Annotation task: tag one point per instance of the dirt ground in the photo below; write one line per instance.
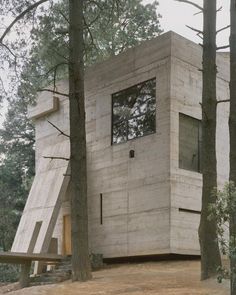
(165, 278)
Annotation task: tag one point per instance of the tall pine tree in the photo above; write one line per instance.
(232, 132)
(77, 29)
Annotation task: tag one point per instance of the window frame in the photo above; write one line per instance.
(132, 117)
(199, 145)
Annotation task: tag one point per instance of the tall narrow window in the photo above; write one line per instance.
(189, 143)
(101, 209)
(134, 112)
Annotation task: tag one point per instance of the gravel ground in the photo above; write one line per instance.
(165, 278)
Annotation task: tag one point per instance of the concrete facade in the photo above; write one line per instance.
(150, 206)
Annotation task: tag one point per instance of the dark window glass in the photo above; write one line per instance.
(189, 143)
(134, 112)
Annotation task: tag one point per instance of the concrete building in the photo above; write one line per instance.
(144, 192)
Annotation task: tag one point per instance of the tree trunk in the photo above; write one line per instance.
(24, 280)
(81, 269)
(210, 255)
(232, 132)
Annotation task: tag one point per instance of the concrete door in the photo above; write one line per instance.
(67, 234)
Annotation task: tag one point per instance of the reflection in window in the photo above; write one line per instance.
(190, 143)
(134, 112)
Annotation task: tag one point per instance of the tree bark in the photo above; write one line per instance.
(81, 269)
(232, 132)
(210, 255)
(24, 280)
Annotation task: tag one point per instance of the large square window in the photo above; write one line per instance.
(134, 112)
(190, 138)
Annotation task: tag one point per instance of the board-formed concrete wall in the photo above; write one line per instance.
(136, 192)
(141, 195)
(186, 92)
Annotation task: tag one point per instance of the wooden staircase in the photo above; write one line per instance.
(62, 271)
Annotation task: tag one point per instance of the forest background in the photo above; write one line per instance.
(41, 40)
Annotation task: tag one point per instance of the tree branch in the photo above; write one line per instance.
(62, 32)
(53, 91)
(56, 158)
(9, 49)
(64, 16)
(20, 16)
(195, 30)
(191, 3)
(199, 35)
(224, 28)
(94, 20)
(224, 100)
(90, 33)
(60, 55)
(222, 47)
(199, 12)
(52, 69)
(61, 132)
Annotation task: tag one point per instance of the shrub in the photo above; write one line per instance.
(9, 273)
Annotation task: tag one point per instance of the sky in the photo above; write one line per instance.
(175, 17)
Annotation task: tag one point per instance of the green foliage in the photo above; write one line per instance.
(111, 27)
(9, 273)
(16, 168)
(14, 190)
(222, 211)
